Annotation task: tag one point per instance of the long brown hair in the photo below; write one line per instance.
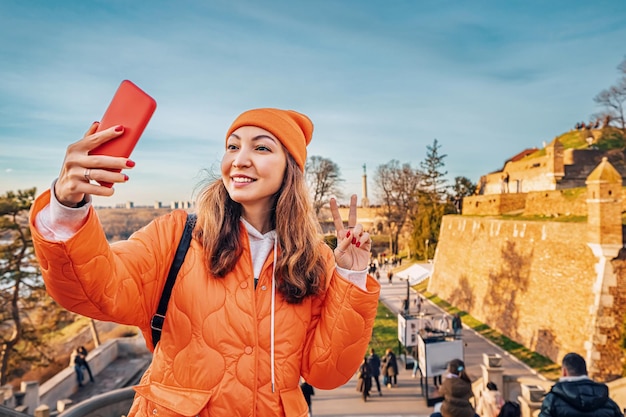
(457, 367)
(300, 267)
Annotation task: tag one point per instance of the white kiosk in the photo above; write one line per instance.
(434, 351)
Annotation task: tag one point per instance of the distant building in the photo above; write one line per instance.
(181, 205)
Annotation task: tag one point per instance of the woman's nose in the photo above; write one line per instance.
(242, 159)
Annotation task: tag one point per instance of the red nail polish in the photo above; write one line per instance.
(358, 244)
(353, 240)
(119, 128)
(125, 177)
(348, 234)
(130, 163)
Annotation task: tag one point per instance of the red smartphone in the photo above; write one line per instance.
(132, 108)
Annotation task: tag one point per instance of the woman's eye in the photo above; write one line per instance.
(263, 148)
(231, 146)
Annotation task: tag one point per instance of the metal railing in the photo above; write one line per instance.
(114, 403)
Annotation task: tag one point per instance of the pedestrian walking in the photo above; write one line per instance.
(374, 363)
(364, 380)
(415, 353)
(390, 369)
(575, 394)
(457, 325)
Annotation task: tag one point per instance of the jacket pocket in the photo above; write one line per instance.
(162, 401)
(293, 402)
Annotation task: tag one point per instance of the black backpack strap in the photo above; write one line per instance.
(156, 324)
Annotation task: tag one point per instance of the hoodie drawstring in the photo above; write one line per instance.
(272, 313)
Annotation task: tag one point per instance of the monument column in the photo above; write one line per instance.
(365, 202)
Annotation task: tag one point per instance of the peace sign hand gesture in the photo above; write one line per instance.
(353, 244)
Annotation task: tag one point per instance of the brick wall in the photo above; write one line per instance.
(532, 281)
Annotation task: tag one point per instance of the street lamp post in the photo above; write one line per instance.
(408, 296)
(407, 300)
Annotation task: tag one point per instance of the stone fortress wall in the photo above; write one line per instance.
(532, 281)
(552, 286)
(567, 202)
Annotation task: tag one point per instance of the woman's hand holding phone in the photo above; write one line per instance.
(79, 167)
(104, 150)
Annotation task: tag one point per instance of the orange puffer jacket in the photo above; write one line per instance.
(214, 357)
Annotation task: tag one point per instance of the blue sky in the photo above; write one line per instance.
(380, 80)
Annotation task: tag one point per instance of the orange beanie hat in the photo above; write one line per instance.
(294, 130)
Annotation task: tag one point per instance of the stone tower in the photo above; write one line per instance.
(604, 237)
(555, 165)
(604, 194)
(365, 202)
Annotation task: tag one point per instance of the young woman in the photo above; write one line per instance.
(456, 390)
(390, 368)
(259, 301)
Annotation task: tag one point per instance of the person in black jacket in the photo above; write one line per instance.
(374, 363)
(308, 391)
(82, 358)
(364, 383)
(576, 395)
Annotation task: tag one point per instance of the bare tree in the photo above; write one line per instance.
(25, 311)
(397, 187)
(323, 177)
(613, 100)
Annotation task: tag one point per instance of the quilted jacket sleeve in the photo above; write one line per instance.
(120, 282)
(340, 330)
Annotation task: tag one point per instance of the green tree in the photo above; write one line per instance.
(433, 202)
(461, 188)
(434, 181)
(26, 313)
(425, 233)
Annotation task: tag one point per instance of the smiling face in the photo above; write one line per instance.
(253, 167)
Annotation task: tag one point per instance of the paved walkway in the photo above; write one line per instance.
(405, 400)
